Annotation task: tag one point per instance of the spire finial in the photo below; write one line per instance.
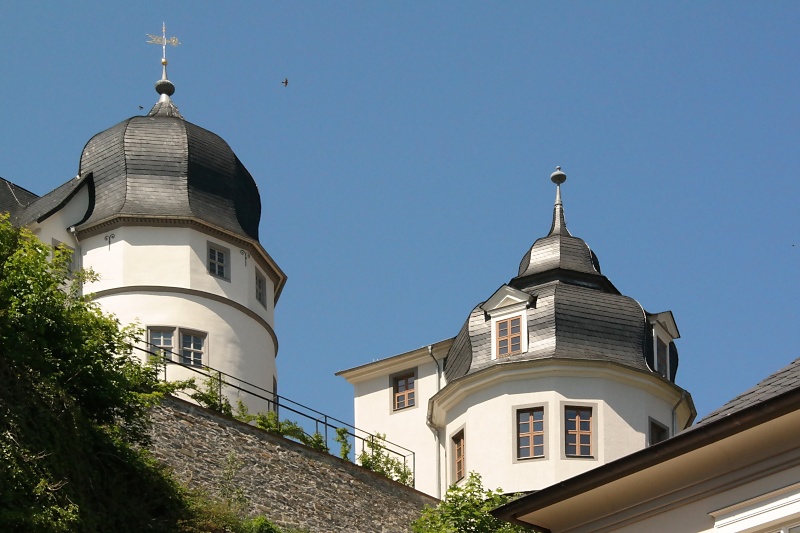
(164, 87)
(559, 223)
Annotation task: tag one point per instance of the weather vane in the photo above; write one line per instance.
(163, 41)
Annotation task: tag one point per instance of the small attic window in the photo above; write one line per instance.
(662, 357)
(509, 336)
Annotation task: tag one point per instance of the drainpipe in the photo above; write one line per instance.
(435, 430)
(675, 414)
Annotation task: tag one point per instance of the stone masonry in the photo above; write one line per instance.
(291, 484)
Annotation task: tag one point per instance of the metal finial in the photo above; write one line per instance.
(558, 177)
(164, 87)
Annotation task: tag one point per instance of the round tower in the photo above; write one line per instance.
(171, 229)
(556, 372)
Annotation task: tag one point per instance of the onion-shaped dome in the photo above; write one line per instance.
(161, 165)
(567, 310)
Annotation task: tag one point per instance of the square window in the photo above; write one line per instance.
(530, 433)
(578, 431)
(403, 387)
(509, 336)
(218, 261)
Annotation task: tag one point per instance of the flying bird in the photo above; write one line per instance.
(285, 82)
(140, 107)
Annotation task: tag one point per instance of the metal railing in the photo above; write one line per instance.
(328, 427)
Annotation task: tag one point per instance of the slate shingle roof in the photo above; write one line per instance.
(13, 198)
(162, 165)
(43, 206)
(577, 312)
(784, 380)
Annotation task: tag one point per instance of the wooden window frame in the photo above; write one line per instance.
(408, 395)
(531, 432)
(579, 430)
(509, 337)
(459, 456)
(219, 268)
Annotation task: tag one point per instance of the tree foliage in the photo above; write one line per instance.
(465, 509)
(376, 457)
(73, 411)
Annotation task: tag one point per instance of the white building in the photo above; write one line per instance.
(736, 471)
(167, 216)
(555, 374)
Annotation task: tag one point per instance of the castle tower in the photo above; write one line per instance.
(167, 216)
(554, 374)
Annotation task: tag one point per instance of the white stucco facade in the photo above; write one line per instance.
(154, 273)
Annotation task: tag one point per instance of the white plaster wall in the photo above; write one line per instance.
(174, 257)
(621, 411)
(235, 343)
(57, 225)
(692, 515)
(406, 427)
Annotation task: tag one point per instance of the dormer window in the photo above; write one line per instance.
(662, 359)
(509, 336)
(507, 313)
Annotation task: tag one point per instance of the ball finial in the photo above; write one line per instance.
(558, 177)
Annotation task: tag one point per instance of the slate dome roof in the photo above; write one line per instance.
(161, 165)
(574, 312)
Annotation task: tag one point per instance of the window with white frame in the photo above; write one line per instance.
(192, 346)
(507, 313)
(162, 344)
(163, 347)
(219, 259)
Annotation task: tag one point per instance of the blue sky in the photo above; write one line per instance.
(404, 170)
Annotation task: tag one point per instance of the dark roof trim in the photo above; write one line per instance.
(87, 179)
(688, 441)
(581, 279)
(192, 292)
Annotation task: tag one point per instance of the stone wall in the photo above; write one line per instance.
(291, 484)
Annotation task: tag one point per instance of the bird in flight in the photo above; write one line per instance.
(285, 82)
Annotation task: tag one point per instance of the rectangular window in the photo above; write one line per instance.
(658, 432)
(459, 459)
(192, 349)
(72, 265)
(661, 357)
(161, 344)
(578, 431)
(509, 336)
(218, 261)
(261, 289)
(403, 391)
(530, 433)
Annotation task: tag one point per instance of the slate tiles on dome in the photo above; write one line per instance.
(785, 380)
(13, 198)
(165, 166)
(459, 356)
(557, 251)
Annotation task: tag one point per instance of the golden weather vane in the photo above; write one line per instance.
(163, 41)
